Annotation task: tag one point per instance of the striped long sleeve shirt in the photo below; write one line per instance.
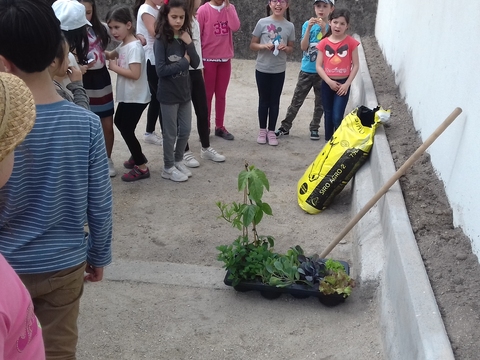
(60, 180)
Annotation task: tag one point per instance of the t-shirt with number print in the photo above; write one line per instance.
(337, 57)
(270, 31)
(217, 23)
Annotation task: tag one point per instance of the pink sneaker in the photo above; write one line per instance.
(272, 138)
(262, 136)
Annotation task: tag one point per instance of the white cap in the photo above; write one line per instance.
(71, 14)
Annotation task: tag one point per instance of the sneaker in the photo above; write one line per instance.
(174, 175)
(262, 136)
(314, 135)
(211, 154)
(272, 138)
(189, 160)
(130, 163)
(136, 174)
(222, 132)
(153, 138)
(111, 169)
(281, 132)
(183, 169)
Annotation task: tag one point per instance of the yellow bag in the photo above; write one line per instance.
(339, 159)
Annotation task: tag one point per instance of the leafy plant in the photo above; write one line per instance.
(246, 256)
(283, 270)
(337, 281)
(312, 269)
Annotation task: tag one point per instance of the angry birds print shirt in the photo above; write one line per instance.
(337, 57)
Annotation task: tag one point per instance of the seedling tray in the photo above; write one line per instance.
(300, 291)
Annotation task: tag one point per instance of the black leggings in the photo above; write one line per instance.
(127, 117)
(269, 90)
(153, 112)
(199, 100)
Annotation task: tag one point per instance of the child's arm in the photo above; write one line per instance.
(193, 58)
(256, 46)
(163, 69)
(355, 66)
(133, 72)
(306, 36)
(80, 96)
(232, 16)
(149, 21)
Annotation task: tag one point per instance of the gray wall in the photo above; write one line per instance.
(250, 11)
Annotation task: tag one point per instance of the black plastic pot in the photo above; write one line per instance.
(300, 291)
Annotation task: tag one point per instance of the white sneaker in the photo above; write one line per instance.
(174, 175)
(153, 138)
(211, 154)
(183, 169)
(111, 169)
(189, 160)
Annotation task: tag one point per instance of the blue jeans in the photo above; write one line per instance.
(333, 108)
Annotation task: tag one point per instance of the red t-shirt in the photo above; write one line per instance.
(337, 57)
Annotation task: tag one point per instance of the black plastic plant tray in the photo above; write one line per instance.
(300, 291)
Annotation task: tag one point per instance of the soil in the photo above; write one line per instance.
(453, 269)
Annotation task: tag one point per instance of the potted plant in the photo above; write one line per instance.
(252, 264)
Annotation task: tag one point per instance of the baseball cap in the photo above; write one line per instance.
(324, 1)
(71, 14)
(17, 112)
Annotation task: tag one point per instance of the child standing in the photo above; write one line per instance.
(59, 70)
(128, 61)
(96, 80)
(199, 99)
(146, 12)
(273, 38)
(312, 32)
(174, 53)
(337, 66)
(217, 19)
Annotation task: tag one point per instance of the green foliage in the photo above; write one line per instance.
(283, 270)
(245, 257)
(337, 281)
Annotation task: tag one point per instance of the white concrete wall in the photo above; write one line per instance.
(433, 47)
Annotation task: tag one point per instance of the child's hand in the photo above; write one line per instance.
(226, 2)
(342, 90)
(83, 68)
(113, 65)
(321, 23)
(334, 85)
(74, 73)
(312, 22)
(282, 46)
(91, 64)
(269, 46)
(185, 37)
(142, 39)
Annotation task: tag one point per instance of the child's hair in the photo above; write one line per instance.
(31, 48)
(287, 12)
(78, 42)
(163, 30)
(136, 6)
(121, 14)
(335, 14)
(60, 55)
(97, 26)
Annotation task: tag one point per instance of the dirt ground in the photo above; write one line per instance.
(149, 309)
(453, 269)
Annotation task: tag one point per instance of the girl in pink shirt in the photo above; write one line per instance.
(337, 66)
(218, 19)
